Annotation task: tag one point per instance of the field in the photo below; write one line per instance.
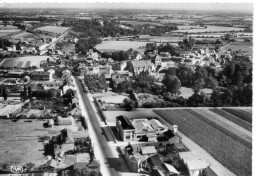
(20, 141)
(244, 115)
(235, 46)
(7, 27)
(177, 21)
(233, 118)
(188, 92)
(53, 29)
(113, 98)
(119, 45)
(141, 23)
(22, 62)
(210, 29)
(230, 152)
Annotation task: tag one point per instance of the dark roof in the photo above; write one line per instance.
(157, 173)
(169, 134)
(94, 163)
(67, 135)
(125, 122)
(37, 73)
(155, 160)
(129, 149)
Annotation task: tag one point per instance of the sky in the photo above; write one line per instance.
(236, 7)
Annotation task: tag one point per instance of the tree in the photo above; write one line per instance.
(129, 104)
(216, 98)
(198, 85)
(4, 93)
(238, 80)
(29, 92)
(25, 93)
(172, 84)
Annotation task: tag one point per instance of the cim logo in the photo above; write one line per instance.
(17, 169)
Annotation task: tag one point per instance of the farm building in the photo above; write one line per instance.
(65, 121)
(40, 76)
(50, 123)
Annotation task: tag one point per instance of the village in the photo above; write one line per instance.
(159, 109)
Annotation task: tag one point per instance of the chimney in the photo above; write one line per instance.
(175, 128)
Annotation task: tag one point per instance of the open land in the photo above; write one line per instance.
(119, 45)
(20, 141)
(243, 46)
(230, 152)
(22, 62)
(211, 29)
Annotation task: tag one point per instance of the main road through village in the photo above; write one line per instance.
(102, 149)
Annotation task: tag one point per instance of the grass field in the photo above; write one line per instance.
(119, 45)
(233, 118)
(20, 141)
(244, 115)
(211, 29)
(22, 62)
(240, 135)
(141, 23)
(113, 98)
(243, 46)
(224, 148)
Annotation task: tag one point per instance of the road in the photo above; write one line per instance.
(104, 152)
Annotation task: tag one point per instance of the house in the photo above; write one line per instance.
(125, 128)
(170, 170)
(75, 112)
(142, 66)
(194, 163)
(143, 128)
(15, 74)
(171, 137)
(67, 136)
(65, 121)
(51, 164)
(94, 166)
(155, 162)
(40, 76)
(156, 172)
(148, 150)
(51, 84)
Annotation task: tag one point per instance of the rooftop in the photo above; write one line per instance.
(148, 150)
(125, 123)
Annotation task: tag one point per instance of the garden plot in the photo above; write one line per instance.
(233, 118)
(244, 115)
(224, 125)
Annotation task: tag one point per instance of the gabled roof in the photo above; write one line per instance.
(155, 160)
(141, 63)
(94, 163)
(51, 163)
(79, 165)
(170, 168)
(40, 73)
(169, 134)
(156, 123)
(148, 150)
(157, 173)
